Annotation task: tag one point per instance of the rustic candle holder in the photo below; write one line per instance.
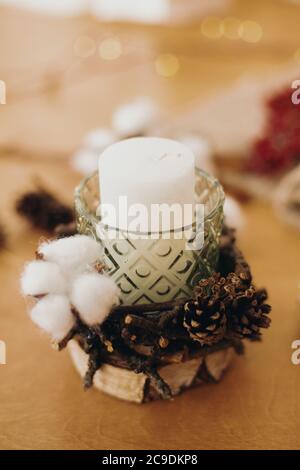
(147, 351)
(148, 270)
(143, 350)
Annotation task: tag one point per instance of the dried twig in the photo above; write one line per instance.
(64, 342)
(94, 364)
(158, 383)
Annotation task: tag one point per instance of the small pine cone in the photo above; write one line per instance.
(204, 316)
(249, 313)
(43, 210)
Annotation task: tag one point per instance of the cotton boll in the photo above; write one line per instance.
(133, 118)
(202, 150)
(98, 139)
(85, 161)
(131, 10)
(94, 295)
(72, 254)
(53, 315)
(233, 213)
(42, 277)
(53, 7)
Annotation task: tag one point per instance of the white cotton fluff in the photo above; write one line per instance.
(133, 118)
(42, 277)
(93, 295)
(85, 161)
(233, 214)
(53, 315)
(51, 7)
(202, 151)
(100, 138)
(72, 254)
(131, 10)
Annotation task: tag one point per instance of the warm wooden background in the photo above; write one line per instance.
(41, 401)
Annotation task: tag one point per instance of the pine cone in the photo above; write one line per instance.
(248, 313)
(204, 316)
(43, 210)
(228, 305)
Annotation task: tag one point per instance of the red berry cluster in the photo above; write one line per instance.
(279, 148)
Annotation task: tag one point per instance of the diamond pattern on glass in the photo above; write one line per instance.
(156, 270)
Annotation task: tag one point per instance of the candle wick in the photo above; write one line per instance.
(159, 157)
(165, 155)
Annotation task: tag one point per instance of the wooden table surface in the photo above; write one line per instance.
(42, 405)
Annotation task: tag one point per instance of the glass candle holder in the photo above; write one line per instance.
(155, 270)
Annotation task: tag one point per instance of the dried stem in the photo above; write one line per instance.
(94, 364)
(63, 343)
(140, 322)
(158, 383)
(148, 308)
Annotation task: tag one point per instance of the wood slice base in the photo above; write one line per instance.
(127, 385)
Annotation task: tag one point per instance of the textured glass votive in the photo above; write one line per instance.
(155, 270)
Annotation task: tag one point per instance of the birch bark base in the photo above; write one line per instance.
(127, 385)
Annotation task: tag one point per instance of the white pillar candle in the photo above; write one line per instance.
(147, 171)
